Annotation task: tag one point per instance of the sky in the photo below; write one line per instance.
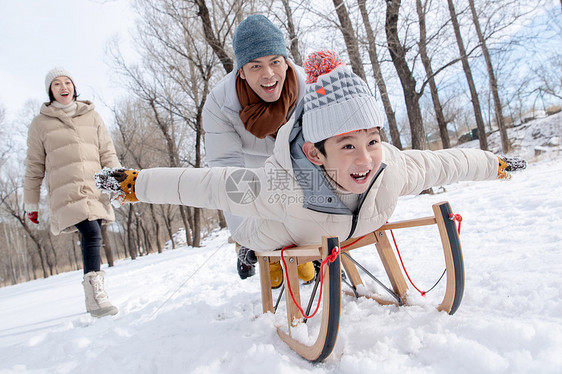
(186, 311)
(38, 35)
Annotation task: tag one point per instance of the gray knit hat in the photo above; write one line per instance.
(53, 73)
(336, 100)
(256, 37)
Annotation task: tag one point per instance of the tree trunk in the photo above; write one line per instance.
(294, 39)
(168, 224)
(468, 73)
(157, 224)
(212, 40)
(76, 251)
(130, 238)
(107, 246)
(222, 220)
(196, 227)
(441, 123)
(377, 72)
(185, 215)
(349, 37)
(506, 144)
(398, 56)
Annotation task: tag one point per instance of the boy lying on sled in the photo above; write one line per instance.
(330, 174)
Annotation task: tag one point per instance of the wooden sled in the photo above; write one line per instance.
(332, 280)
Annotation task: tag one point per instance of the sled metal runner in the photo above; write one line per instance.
(331, 291)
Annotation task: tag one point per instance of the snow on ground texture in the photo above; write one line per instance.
(186, 310)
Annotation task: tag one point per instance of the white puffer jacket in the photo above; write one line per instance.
(67, 152)
(272, 201)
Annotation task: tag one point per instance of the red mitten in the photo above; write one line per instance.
(33, 217)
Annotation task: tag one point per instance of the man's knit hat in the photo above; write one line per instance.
(256, 37)
(336, 100)
(53, 73)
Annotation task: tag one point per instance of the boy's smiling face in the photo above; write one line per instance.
(351, 159)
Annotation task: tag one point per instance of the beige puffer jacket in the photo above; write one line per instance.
(272, 201)
(67, 152)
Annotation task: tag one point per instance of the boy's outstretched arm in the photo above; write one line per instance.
(240, 191)
(425, 169)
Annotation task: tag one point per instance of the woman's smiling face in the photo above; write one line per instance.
(63, 90)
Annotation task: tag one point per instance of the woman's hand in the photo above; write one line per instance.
(33, 217)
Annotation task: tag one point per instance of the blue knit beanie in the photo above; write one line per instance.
(256, 37)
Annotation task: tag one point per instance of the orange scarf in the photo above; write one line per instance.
(261, 118)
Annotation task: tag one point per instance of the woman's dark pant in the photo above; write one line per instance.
(91, 244)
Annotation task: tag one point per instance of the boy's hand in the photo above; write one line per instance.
(509, 164)
(119, 180)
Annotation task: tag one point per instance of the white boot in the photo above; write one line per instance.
(97, 303)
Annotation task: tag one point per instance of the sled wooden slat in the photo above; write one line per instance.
(416, 222)
(265, 282)
(294, 316)
(391, 265)
(331, 292)
(351, 271)
(331, 306)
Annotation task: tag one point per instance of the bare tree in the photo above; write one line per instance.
(482, 137)
(224, 27)
(346, 28)
(422, 9)
(379, 79)
(398, 55)
(293, 37)
(506, 144)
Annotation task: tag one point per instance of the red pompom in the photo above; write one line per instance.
(320, 63)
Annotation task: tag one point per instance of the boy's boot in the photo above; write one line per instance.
(306, 272)
(97, 303)
(275, 274)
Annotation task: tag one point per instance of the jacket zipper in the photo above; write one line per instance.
(355, 217)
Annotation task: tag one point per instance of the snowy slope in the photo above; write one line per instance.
(186, 311)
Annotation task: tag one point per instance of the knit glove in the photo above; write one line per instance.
(120, 181)
(33, 217)
(509, 164)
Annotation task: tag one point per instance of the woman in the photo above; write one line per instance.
(68, 143)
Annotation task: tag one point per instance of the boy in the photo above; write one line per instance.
(329, 173)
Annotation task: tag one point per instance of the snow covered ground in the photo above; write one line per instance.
(186, 310)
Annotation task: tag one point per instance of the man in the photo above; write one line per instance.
(247, 107)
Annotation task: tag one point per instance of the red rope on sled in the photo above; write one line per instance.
(458, 218)
(452, 217)
(336, 251)
(404, 266)
(331, 258)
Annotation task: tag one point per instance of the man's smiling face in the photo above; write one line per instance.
(266, 76)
